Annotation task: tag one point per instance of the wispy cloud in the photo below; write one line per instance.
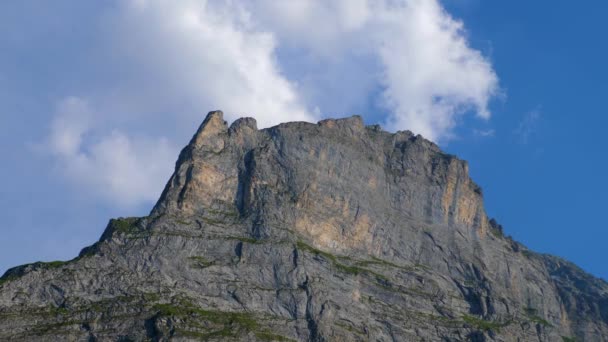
(528, 126)
(484, 132)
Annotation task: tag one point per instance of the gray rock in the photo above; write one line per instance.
(322, 232)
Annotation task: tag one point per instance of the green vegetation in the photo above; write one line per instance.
(53, 264)
(58, 310)
(423, 267)
(7, 279)
(125, 225)
(243, 239)
(533, 317)
(348, 269)
(482, 324)
(381, 262)
(303, 246)
(225, 213)
(44, 329)
(568, 339)
(88, 251)
(229, 332)
(199, 262)
(216, 324)
(186, 309)
(445, 321)
(496, 232)
(128, 226)
(355, 270)
(57, 318)
(151, 297)
(220, 217)
(36, 265)
(211, 221)
(349, 328)
(527, 253)
(540, 320)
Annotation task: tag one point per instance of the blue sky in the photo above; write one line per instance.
(97, 98)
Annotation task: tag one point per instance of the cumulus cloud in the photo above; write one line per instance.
(432, 75)
(208, 55)
(121, 169)
(290, 60)
(172, 61)
(413, 49)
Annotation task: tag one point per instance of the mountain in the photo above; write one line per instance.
(334, 231)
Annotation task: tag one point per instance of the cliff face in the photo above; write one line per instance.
(324, 232)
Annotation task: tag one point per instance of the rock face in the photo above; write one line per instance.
(333, 231)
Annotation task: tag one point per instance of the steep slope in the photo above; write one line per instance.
(322, 232)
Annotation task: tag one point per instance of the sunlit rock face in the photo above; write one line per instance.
(334, 182)
(334, 231)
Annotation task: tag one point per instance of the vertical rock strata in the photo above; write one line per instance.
(333, 231)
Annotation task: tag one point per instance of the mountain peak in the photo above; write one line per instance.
(308, 232)
(307, 161)
(212, 126)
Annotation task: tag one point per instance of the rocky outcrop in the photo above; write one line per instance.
(333, 231)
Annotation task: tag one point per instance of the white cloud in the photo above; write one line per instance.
(172, 61)
(432, 75)
(208, 55)
(420, 56)
(69, 126)
(122, 170)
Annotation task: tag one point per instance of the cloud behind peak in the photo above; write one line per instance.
(300, 60)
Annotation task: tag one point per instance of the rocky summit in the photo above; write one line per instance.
(334, 231)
